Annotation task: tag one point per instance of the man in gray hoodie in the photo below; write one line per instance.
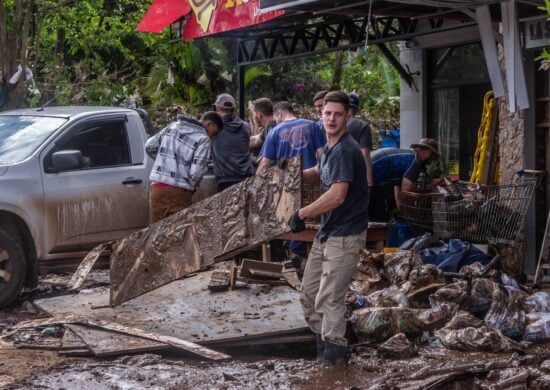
(230, 148)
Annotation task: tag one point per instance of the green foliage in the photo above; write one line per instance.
(545, 55)
(254, 72)
(88, 52)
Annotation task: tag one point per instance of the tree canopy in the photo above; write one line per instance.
(88, 52)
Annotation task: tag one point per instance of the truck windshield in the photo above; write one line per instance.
(20, 135)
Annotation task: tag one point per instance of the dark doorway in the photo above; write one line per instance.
(457, 82)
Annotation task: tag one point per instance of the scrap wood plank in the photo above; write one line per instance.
(292, 279)
(77, 352)
(71, 340)
(173, 341)
(243, 216)
(40, 322)
(86, 266)
(433, 382)
(108, 343)
(254, 269)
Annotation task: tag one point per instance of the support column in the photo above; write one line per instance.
(413, 99)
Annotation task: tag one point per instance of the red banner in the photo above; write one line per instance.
(162, 13)
(204, 17)
(215, 16)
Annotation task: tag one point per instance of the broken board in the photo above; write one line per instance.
(188, 310)
(107, 343)
(221, 226)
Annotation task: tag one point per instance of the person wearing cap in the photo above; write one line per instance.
(343, 206)
(361, 133)
(181, 152)
(230, 149)
(400, 169)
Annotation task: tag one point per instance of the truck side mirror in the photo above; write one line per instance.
(67, 160)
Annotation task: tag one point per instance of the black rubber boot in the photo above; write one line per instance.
(336, 355)
(320, 348)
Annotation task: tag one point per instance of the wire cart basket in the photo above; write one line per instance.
(493, 214)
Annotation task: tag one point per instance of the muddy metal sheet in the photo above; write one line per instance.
(188, 310)
(223, 225)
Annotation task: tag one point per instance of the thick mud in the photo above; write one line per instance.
(296, 370)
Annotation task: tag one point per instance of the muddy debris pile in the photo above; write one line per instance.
(398, 302)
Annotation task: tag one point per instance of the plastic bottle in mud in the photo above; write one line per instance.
(360, 302)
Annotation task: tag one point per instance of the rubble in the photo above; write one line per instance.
(476, 308)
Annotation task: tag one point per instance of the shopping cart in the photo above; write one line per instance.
(488, 214)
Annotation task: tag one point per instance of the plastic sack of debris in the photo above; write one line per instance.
(506, 313)
(463, 319)
(537, 302)
(449, 297)
(380, 323)
(537, 328)
(466, 332)
(481, 295)
(433, 318)
(425, 275)
(418, 244)
(454, 256)
(398, 347)
(398, 265)
(388, 297)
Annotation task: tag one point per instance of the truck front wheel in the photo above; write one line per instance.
(13, 268)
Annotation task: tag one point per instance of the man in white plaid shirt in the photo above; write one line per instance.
(180, 163)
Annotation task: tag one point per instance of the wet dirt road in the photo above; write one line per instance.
(281, 367)
(27, 369)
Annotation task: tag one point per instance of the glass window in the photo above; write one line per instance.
(104, 144)
(458, 64)
(21, 135)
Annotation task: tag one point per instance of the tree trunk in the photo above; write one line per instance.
(338, 68)
(14, 37)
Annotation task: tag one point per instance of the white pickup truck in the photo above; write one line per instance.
(70, 178)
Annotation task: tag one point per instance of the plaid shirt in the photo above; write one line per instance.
(183, 154)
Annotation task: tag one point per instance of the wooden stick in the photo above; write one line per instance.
(86, 266)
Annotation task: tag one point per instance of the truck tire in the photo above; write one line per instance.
(13, 268)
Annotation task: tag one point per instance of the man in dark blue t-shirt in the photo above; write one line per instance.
(343, 206)
(292, 137)
(400, 169)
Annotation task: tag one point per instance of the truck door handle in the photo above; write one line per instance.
(132, 180)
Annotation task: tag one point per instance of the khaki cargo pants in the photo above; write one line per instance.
(326, 280)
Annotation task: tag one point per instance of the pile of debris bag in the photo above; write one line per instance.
(401, 300)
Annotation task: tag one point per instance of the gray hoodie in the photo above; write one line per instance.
(230, 151)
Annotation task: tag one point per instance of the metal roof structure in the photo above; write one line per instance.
(321, 26)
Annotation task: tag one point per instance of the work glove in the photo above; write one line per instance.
(296, 223)
(281, 162)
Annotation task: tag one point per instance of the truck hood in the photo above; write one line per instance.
(3, 169)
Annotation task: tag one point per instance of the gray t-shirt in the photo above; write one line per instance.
(361, 132)
(344, 162)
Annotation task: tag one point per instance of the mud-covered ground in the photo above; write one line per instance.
(28, 369)
(279, 367)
